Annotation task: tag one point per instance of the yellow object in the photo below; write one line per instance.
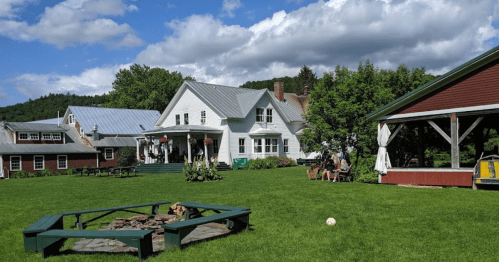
(488, 169)
(478, 181)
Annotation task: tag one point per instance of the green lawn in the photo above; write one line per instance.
(374, 222)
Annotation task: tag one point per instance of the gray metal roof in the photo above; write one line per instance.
(183, 129)
(73, 145)
(21, 126)
(114, 121)
(47, 121)
(112, 141)
(236, 102)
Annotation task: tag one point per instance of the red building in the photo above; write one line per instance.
(458, 104)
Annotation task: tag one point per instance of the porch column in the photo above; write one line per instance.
(138, 151)
(166, 151)
(189, 154)
(206, 151)
(421, 156)
(454, 127)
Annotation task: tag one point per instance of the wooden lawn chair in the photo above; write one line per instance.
(312, 174)
(345, 174)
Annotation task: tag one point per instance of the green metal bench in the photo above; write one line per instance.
(51, 241)
(109, 210)
(41, 225)
(236, 218)
(192, 208)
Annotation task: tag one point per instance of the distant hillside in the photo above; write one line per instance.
(47, 107)
(290, 84)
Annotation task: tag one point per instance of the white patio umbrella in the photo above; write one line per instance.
(383, 160)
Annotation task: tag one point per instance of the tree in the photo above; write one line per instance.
(306, 79)
(141, 87)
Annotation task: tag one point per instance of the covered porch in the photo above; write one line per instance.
(171, 144)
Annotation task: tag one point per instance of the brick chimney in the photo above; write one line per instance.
(279, 90)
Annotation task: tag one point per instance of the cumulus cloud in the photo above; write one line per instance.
(95, 81)
(75, 22)
(438, 34)
(9, 8)
(229, 6)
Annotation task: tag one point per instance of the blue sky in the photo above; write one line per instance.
(78, 46)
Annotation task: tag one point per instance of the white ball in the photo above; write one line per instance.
(331, 221)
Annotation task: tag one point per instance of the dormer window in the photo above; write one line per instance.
(33, 136)
(259, 115)
(203, 117)
(269, 115)
(23, 136)
(56, 136)
(46, 136)
(71, 119)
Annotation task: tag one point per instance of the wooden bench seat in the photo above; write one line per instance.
(109, 210)
(51, 241)
(41, 225)
(192, 208)
(175, 232)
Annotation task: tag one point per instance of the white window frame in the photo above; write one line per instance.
(82, 133)
(71, 119)
(268, 143)
(112, 153)
(23, 133)
(243, 146)
(260, 117)
(203, 117)
(268, 117)
(216, 147)
(54, 135)
(177, 119)
(257, 143)
(20, 163)
(66, 161)
(274, 146)
(186, 118)
(49, 136)
(34, 134)
(34, 162)
(286, 145)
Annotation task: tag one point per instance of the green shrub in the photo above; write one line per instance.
(364, 171)
(46, 172)
(270, 162)
(69, 172)
(20, 174)
(127, 156)
(197, 171)
(255, 164)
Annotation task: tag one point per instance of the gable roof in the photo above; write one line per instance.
(436, 83)
(21, 126)
(57, 120)
(115, 121)
(234, 102)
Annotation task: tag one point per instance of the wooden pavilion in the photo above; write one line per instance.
(464, 100)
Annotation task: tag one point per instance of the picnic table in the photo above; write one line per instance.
(109, 210)
(93, 170)
(123, 170)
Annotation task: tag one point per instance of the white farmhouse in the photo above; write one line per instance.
(243, 123)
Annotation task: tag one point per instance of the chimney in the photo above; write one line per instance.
(95, 135)
(279, 90)
(305, 90)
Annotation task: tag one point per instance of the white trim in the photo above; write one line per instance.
(263, 115)
(105, 153)
(71, 119)
(285, 145)
(49, 134)
(55, 138)
(186, 119)
(20, 163)
(261, 145)
(34, 162)
(267, 115)
(66, 161)
(2, 173)
(441, 112)
(177, 123)
(239, 145)
(19, 136)
(35, 134)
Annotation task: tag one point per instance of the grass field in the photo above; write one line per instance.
(374, 222)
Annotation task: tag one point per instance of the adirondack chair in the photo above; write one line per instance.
(313, 174)
(345, 174)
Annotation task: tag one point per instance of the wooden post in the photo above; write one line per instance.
(189, 151)
(478, 140)
(454, 127)
(421, 156)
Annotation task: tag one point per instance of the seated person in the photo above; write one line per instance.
(344, 166)
(328, 169)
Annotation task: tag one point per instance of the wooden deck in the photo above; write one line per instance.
(429, 176)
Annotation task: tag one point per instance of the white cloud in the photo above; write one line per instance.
(75, 22)
(95, 81)
(229, 6)
(9, 8)
(132, 8)
(436, 34)
(170, 6)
